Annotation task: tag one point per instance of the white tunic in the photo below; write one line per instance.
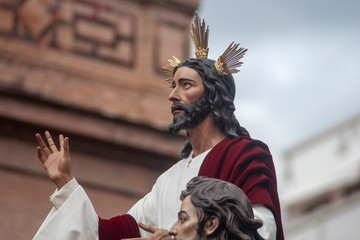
(73, 216)
(160, 207)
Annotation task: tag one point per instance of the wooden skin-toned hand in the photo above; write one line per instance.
(157, 233)
(56, 162)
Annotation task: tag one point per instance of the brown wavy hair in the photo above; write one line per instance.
(227, 202)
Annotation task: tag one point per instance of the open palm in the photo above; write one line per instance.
(56, 161)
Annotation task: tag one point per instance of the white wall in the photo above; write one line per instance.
(324, 163)
(321, 167)
(339, 220)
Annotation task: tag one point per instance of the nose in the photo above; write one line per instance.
(173, 96)
(172, 232)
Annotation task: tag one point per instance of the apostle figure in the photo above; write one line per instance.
(203, 91)
(213, 209)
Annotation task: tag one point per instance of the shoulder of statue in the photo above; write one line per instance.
(241, 144)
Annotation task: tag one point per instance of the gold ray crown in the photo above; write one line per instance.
(200, 37)
(227, 63)
(169, 69)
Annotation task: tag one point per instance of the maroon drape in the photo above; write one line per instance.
(118, 228)
(248, 164)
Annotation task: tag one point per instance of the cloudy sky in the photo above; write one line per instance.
(301, 75)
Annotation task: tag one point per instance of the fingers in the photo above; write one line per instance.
(50, 142)
(147, 228)
(45, 151)
(42, 144)
(66, 148)
(61, 140)
(158, 233)
(40, 155)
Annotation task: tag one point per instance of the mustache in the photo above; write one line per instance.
(194, 114)
(202, 106)
(181, 106)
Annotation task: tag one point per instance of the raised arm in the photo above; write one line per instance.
(56, 162)
(72, 216)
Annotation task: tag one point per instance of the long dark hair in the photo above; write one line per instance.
(227, 202)
(220, 91)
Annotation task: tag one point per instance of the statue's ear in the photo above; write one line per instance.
(211, 225)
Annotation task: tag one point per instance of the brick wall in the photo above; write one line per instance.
(90, 69)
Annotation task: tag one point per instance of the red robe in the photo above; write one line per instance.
(117, 228)
(248, 164)
(243, 161)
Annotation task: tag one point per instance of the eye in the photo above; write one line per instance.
(187, 85)
(182, 219)
(173, 85)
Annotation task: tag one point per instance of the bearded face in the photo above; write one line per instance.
(193, 114)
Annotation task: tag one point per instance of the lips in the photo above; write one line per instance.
(175, 108)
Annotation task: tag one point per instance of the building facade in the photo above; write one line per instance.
(322, 200)
(92, 70)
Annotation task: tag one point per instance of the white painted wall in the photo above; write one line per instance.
(332, 222)
(324, 164)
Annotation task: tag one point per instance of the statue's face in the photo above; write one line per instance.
(185, 226)
(187, 88)
(190, 104)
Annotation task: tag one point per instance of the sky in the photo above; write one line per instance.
(301, 74)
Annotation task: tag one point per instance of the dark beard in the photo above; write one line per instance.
(195, 113)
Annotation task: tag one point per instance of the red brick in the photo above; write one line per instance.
(35, 16)
(119, 110)
(122, 52)
(6, 20)
(66, 11)
(95, 31)
(65, 37)
(124, 24)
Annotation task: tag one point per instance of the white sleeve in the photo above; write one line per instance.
(147, 209)
(268, 229)
(144, 211)
(72, 217)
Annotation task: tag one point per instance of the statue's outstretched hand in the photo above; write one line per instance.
(56, 162)
(157, 233)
